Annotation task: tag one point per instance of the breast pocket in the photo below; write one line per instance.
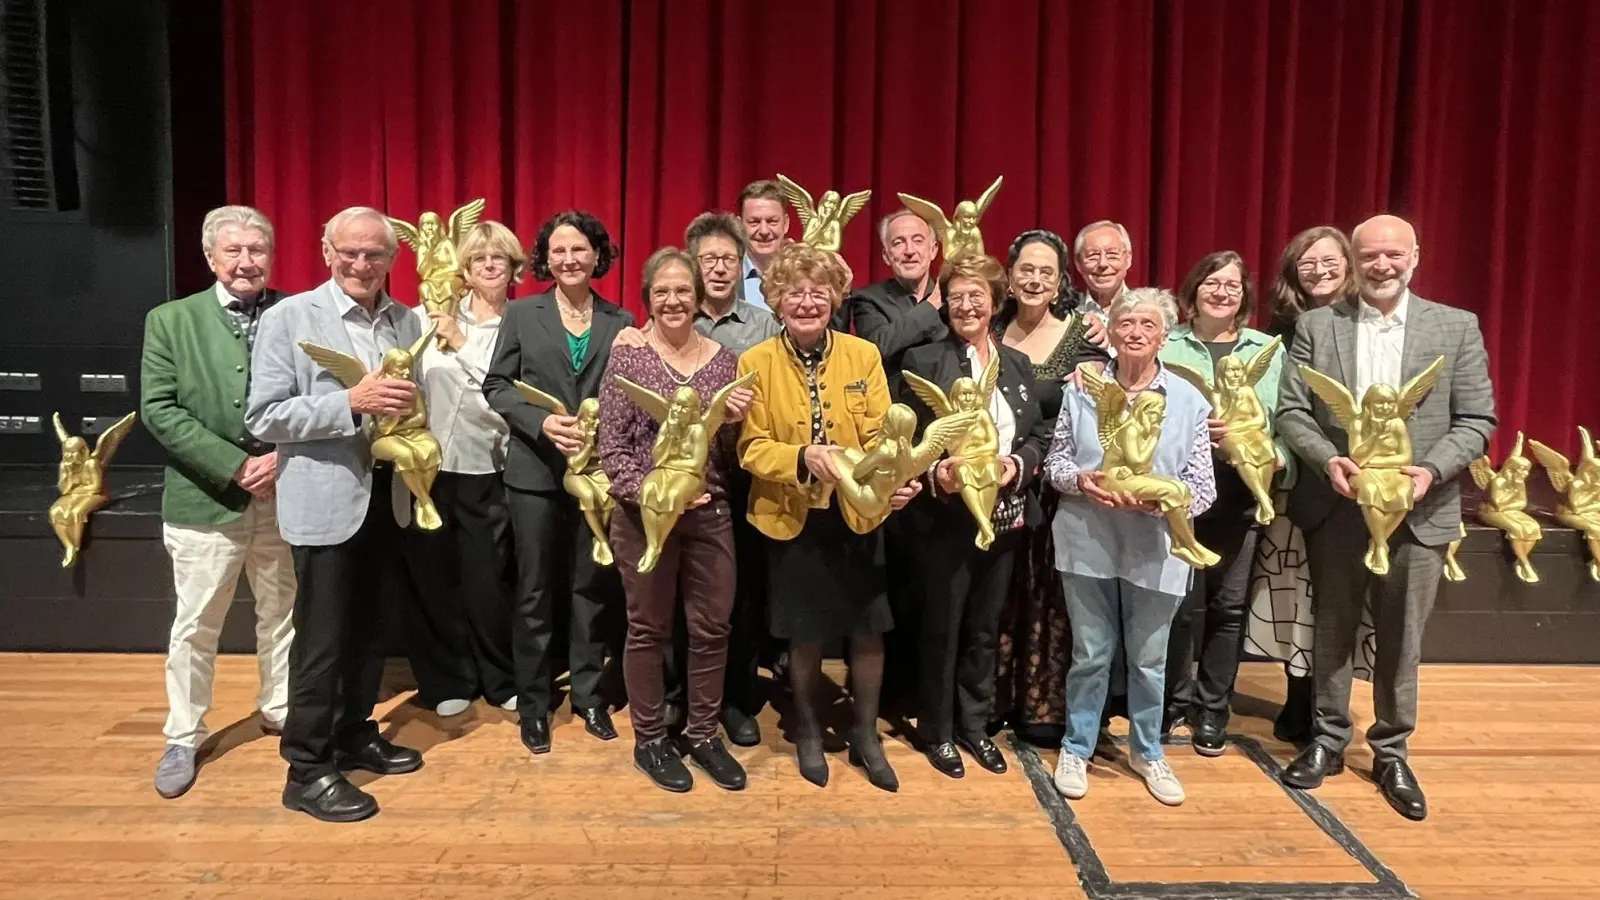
(855, 402)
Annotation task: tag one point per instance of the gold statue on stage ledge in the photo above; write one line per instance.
(1381, 447)
(81, 480)
(585, 481)
(822, 222)
(1580, 492)
(960, 237)
(438, 267)
(1505, 505)
(679, 455)
(1452, 566)
(867, 481)
(1247, 447)
(976, 451)
(1128, 438)
(402, 439)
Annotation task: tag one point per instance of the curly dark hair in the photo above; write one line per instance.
(1066, 298)
(605, 252)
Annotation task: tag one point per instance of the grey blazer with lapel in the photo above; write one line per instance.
(1449, 428)
(324, 458)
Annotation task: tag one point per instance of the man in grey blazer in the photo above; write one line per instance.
(1386, 335)
(339, 511)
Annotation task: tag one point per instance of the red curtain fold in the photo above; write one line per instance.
(1199, 124)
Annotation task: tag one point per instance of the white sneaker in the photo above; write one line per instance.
(453, 707)
(1072, 776)
(511, 704)
(1158, 777)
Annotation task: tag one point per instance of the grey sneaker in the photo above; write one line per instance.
(175, 772)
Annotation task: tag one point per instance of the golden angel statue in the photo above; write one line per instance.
(438, 268)
(585, 481)
(1380, 446)
(402, 439)
(823, 221)
(1452, 566)
(960, 237)
(1580, 492)
(680, 453)
(1505, 505)
(81, 480)
(1248, 447)
(1128, 438)
(976, 451)
(868, 480)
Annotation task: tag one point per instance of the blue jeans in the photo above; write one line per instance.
(1101, 611)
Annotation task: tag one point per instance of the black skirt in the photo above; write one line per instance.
(828, 583)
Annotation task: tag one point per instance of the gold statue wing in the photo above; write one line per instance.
(987, 197)
(929, 393)
(717, 410)
(1516, 449)
(648, 400)
(1110, 401)
(1257, 368)
(462, 220)
(407, 233)
(930, 213)
(1417, 388)
(799, 198)
(107, 443)
(540, 398)
(347, 369)
(1336, 395)
(852, 204)
(61, 430)
(1482, 472)
(416, 350)
(940, 433)
(1556, 466)
(1194, 378)
(989, 380)
(1585, 445)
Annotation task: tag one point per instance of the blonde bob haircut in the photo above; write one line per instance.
(797, 261)
(490, 238)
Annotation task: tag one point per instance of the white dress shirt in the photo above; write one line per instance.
(472, 437)
(371, 334)
(1380, 341)
(999, 410)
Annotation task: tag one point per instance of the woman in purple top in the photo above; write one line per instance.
(696, 564)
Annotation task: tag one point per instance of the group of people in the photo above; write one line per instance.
(1068, 608)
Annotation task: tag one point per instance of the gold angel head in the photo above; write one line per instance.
(588, 411)
(966, 394)
(75, 450)
(684, 408)
(960, 237)
(1560, 470)
(822, 222)
(430, 230)
(1380, 402)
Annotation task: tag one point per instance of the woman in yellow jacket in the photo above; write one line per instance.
(818, 390)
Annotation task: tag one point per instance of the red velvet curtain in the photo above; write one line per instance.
(1200, 124)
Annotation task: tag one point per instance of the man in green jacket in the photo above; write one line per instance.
(217, 506)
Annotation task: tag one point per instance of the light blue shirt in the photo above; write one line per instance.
(752, 283)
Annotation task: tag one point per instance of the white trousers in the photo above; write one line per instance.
(206, 562)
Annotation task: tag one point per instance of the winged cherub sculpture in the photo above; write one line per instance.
(679, 456)
(584, 480)
(438, 267)
(960, 237)
(1380, 447)
(1247, 447)
(402, 439)
(977, 449)
(81, 481)
(1505, 505)
(1579, 488)
(823, 221)
(868, 480)
(1128, 439)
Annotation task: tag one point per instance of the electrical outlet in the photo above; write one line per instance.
(97, 424)
(21, 425)
(103, 384)
(19, 381)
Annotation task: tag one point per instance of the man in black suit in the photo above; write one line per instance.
(904, 311)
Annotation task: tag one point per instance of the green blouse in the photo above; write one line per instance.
(578, 347)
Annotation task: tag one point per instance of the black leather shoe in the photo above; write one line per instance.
(866, 751)
(713, 759)
(1314, 763)
(743, 730)
(985, 752)
(381, 757)
(330, 798)
(812, 761)
(657, 760)
(1399, 787)
(947, 759)
(1209, 735)
(536, 735)
(597, 721)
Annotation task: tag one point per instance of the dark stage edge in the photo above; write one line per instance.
(1097, 883)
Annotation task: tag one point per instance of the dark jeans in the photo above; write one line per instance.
(696, 569)
(1213, 613)
(966, 589)
(336, 660)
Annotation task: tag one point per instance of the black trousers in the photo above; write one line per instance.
(965, 591)
(336, 660)
(459, 631)
(907, 536)
(555, 569)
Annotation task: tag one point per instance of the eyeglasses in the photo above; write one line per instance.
(497, 258)
(974, 300)
(711, 261)
(1095, 256)
(371, 256)
(1231, 288)
(1331, 263)
(816, 295)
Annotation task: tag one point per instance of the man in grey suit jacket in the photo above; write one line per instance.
(1387, 335)
(340, 512)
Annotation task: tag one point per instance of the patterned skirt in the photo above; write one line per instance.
(1035, 644)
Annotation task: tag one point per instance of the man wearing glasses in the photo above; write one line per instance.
(1103, 253)
(340, 512)
(718, 244)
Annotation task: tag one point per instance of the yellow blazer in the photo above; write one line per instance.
(777, 424)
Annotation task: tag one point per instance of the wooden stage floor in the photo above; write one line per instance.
(1510, 758)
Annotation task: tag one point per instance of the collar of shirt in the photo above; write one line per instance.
(813, 357)
(1158, 383)
(734, 313)
(465, 312)
(1369, 313)
(235, 304)
(347, 303)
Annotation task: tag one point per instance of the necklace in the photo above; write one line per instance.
(672, 373)
(572, 312)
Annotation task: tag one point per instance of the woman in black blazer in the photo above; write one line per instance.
(965, 586)
(558, 341)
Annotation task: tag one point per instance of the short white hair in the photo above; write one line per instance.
(902, 212)
(1160, 298)
(344, 216)
(1083, 234)
(242, 216)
